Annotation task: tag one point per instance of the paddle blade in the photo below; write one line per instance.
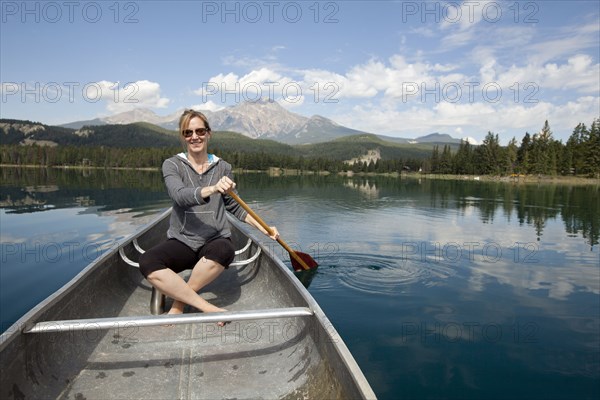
(306, 276)
(308, 260)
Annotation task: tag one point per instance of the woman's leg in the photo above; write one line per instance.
(161, 264)
(215, 255)
(204, 272)
(171, 284)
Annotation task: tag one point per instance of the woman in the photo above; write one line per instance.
(199, 235)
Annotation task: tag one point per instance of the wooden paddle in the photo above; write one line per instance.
(299, 260)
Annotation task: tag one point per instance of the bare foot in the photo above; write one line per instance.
(173, 311)
(177, 309)
(217, 309)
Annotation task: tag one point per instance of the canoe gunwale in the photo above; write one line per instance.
(28, 318)
(90, 324)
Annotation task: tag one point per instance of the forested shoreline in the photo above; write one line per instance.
(538, 154)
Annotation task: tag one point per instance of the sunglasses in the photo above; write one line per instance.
(198, 131)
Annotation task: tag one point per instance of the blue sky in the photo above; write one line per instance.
(403, 69)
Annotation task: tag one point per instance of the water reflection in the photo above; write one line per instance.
(76, 215)
(530, 204)
(27, 190)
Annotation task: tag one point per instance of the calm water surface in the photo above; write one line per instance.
(440, 289)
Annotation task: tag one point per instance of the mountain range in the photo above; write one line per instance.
(262, 119)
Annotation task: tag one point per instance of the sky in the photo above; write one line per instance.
(403, 69)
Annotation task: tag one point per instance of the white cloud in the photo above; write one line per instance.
(208, 106)
(423, 31)
(396, 79)
(578, 73)
(571, 40)
(256, 84)
(461, 25)
(139, 94)
(419, 92)
(473, 119)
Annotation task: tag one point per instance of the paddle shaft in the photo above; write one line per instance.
(268, 229)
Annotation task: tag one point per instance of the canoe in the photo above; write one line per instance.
(98, 338)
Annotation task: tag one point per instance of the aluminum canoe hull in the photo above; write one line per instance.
(115, 349)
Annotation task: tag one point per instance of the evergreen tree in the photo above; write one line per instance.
(435, 160)
(462, 162)
(510, 157)
(445, 165)
(576, 144)
(488, 155)
(592, 151)
(524, 155)
(542, 152)
(558, 149)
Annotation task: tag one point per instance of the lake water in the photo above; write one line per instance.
(441, 289)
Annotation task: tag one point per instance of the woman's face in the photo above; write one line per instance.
(197, 143)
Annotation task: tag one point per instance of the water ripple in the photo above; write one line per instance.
(377, 274)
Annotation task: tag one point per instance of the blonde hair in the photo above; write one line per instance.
(184, 122)
(187, 116)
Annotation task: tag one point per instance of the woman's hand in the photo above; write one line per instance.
(224, 185)
(275, 233)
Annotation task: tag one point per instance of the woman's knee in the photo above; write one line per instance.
(154, 276)
(145, 263)
(150, 264)
(220, 251)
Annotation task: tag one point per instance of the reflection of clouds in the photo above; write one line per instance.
(42, 252)
(541, 295)
(505, 253)
(6, 238)
(120, 223)
(549, 264)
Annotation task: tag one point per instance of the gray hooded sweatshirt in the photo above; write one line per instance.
(196, 220)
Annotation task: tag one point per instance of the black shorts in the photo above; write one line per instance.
(178, 257)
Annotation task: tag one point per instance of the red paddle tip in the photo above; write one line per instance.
(308, 260)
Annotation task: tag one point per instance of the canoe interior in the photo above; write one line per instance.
(277, 358)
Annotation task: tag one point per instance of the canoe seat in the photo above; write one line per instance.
(157, 300)
(136, 245)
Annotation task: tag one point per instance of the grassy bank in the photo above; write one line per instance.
(526, 179)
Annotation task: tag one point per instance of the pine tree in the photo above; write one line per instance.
(435, 160)
(488, 155)
(445, 166)
(524, 155)
(592, 151)
(542, 152)
(510, 159)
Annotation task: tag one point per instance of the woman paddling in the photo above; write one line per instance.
(199, 234)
